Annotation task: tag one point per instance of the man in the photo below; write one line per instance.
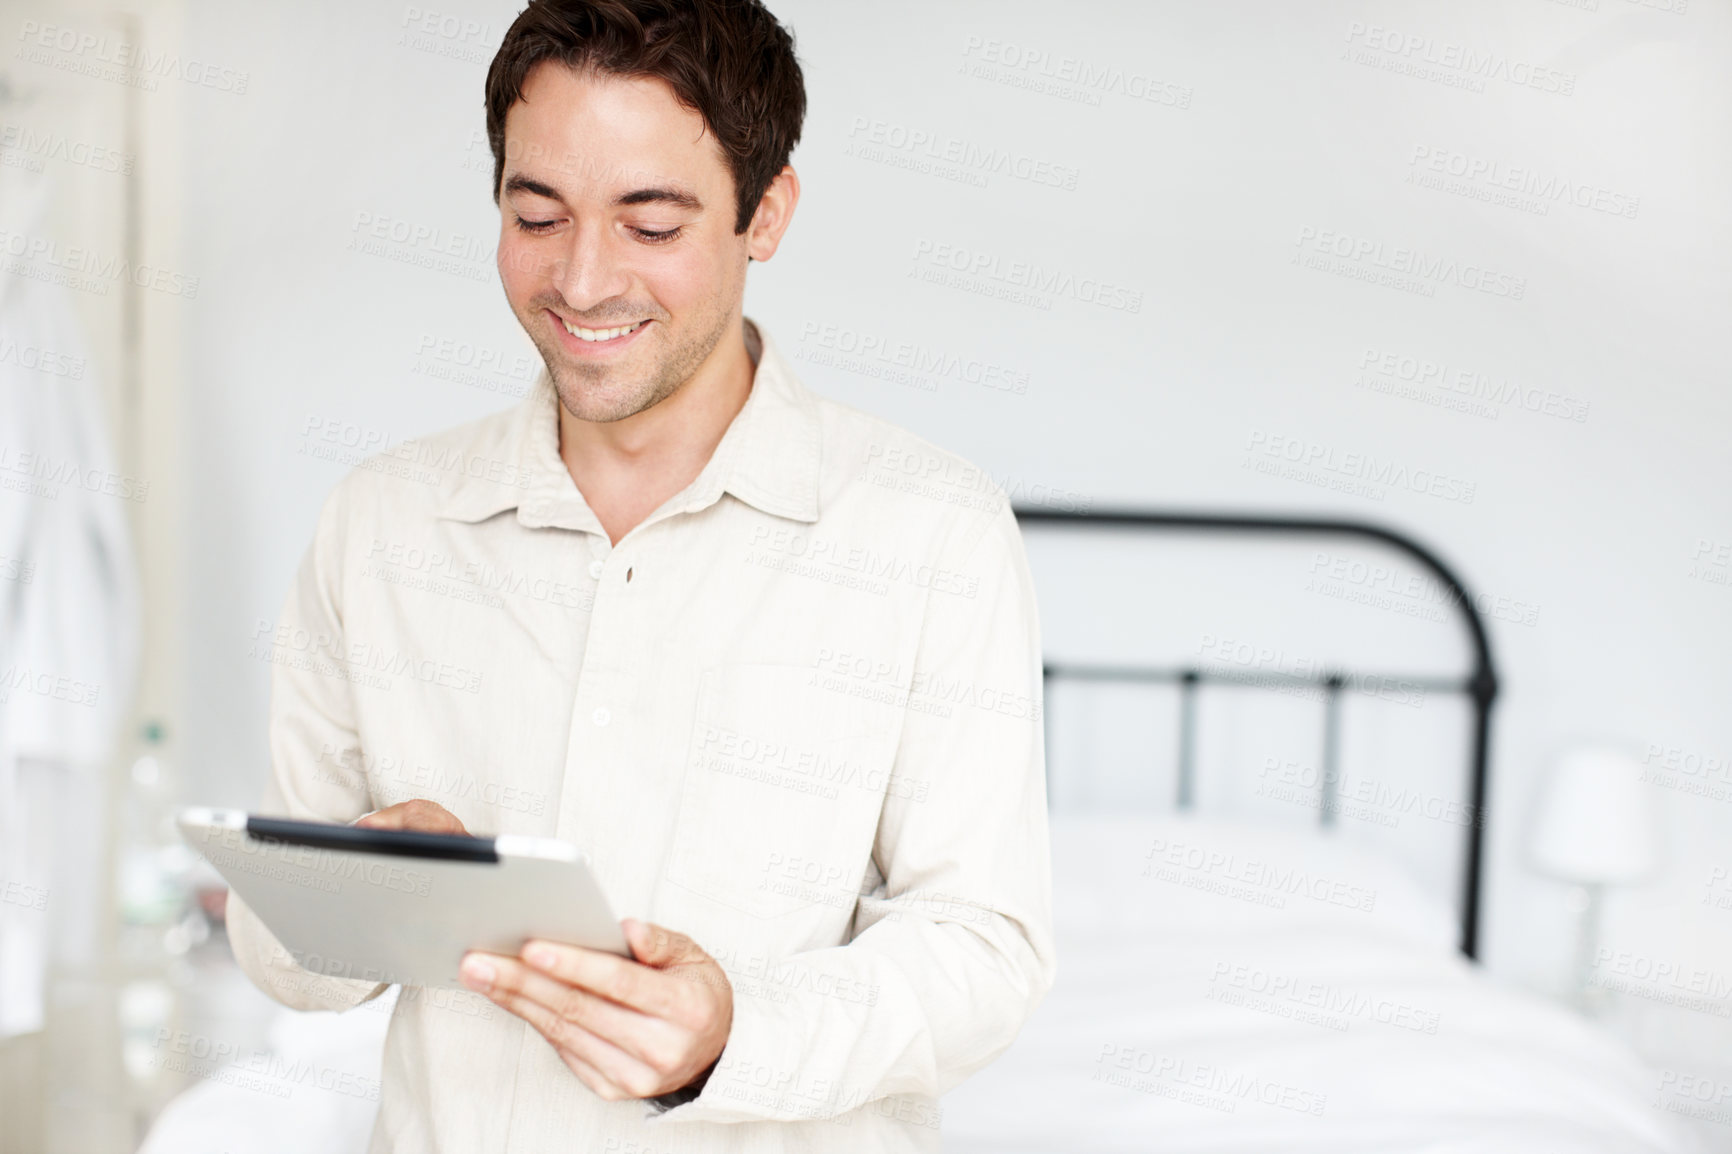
(680, 611)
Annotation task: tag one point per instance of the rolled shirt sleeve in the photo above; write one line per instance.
(953, 948)
(315, 772)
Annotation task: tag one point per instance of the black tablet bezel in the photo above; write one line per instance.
(355, 839)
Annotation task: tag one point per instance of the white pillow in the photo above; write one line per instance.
(1122, 875)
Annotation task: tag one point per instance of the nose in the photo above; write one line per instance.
(590, 270)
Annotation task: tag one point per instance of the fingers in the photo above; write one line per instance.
(590, 1076)
(420, 815)
(613, 1050)
(621, 1075)
(615, 978)
(653, 1041)
(625, 1028)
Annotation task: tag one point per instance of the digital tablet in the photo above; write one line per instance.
(400, 906)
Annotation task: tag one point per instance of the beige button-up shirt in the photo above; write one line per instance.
(795, 714)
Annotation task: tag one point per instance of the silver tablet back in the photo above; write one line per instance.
(401, 918)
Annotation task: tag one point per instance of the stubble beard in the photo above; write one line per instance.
(604, 393)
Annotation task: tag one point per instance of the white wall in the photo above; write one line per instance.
(1266, 126)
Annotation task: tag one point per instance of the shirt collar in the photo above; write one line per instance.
(769, 457)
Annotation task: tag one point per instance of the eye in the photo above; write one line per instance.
(650, 236)
(535, 225)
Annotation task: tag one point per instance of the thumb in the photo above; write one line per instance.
(655, 945)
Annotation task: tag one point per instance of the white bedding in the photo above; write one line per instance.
(1229, 989)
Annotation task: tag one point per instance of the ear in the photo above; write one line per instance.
(775, 212)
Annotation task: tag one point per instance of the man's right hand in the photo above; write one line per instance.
(419, 815)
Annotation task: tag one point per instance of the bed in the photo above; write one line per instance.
(1238, 985)
(1228, 983)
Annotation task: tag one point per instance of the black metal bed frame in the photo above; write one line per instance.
(1479, 686)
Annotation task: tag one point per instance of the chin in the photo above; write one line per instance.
(590, 400)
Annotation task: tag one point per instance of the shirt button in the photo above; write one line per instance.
(601, 716)
(595, 570)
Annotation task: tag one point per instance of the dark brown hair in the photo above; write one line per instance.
(727, 60)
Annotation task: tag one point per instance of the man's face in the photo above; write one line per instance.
(616, 221)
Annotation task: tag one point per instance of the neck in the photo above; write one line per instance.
(627, 469)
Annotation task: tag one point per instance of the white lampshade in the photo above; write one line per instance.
(1596, 819)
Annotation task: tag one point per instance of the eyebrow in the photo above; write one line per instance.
(673, 197)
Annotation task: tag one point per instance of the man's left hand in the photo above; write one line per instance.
(627, 1029)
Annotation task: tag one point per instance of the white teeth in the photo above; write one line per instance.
(598, 334)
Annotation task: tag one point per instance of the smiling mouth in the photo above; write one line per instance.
(593, 335)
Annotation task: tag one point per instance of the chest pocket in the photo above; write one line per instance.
(784, 780)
